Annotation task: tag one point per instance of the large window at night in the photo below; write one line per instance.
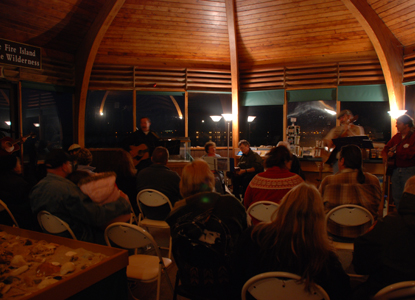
(202, 128)
(5, 117)
(315, 118)
(47, 113)
(265, 129)
(165, 110)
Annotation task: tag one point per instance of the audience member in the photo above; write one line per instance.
(210, 149)
(84, 160)
(386, 253)
(14, 191)
(295, 165)
(401, 151)
(73, 152)
(212, 221)
(296, 242)
(275, 182)
(63, 198)
(249, 165)
(351, 186)
(159, 177)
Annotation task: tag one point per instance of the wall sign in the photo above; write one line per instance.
(21, 55)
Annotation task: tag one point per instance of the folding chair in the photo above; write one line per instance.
(3, 206)
(262, 210)
(141, 267)
(267, 286)
(153, 199)
(399, 290)
(53, 224)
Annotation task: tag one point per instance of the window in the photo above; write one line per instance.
(314, 119)
(47, 113)
(108, 118)
(5, 117)
(201, 126)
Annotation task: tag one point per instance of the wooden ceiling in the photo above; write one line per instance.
(195, 33)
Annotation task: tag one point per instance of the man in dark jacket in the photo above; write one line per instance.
(386, 253)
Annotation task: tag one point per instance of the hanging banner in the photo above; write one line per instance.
(21, 55)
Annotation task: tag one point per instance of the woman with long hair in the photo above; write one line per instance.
(296, 241)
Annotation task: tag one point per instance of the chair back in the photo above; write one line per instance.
(287, 286)
(129, 236)
(262, 210)
(151, 198)
(53, 224)
(3, 206)
(400, 290)
(350, 215)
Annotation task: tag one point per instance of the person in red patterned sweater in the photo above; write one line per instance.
(275, 182)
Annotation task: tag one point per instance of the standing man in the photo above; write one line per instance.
(160, 178)
(141, 143)
(401, 150)
(249, 165)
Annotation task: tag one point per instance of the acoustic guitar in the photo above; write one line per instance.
(9, 146)
(139, 153)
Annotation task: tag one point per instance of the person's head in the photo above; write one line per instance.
(58, 162)
(351, 157)
(10, 163)
(210, 148)
(74, 149)
(84, 157)
(145, 124)
(196, 177)
(244, 146)
(279, 157)
(122, 164)
(298, 232)
(285, 144)
(345, 115)
(160, 156)
(404, 123)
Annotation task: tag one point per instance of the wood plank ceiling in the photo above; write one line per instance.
(194, 33)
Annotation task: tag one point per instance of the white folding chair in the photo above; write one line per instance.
(350, 215)
(399, 290)
(141, 267)
(262, 210)
(3, 206)
(53, 224)
(153, 198)
(280, 285)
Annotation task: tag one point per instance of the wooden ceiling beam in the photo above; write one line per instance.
(85, 58)
(233, 48)
(388, 49)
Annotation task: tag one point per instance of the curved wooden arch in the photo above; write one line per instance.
(388, 49)
(85, 58)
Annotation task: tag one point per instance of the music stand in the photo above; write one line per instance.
(362, 141)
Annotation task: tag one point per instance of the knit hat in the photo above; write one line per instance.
(344, 112)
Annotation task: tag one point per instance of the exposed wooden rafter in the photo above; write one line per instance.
(85, 58)
(388, 49)
(230, 17)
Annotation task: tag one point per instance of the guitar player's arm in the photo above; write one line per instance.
(386, 152)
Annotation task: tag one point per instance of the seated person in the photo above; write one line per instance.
(275, 182)
(204, 227)
(210, 149)
(295, 242)
(386, 253)
(100, 188)
(295, 165)
(351, 186)
(64, 199)
(14, 192)
(160, 178)
(84, 160)
(249, 165)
